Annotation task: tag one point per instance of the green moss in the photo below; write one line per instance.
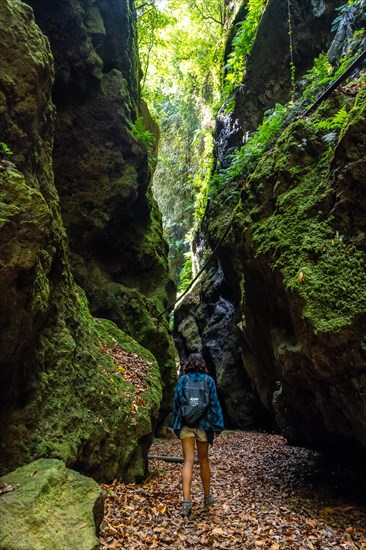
(48, 505)
(81, 408)
(295, 230)
(110, 333)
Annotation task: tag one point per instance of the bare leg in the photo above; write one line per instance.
(202, 450)
(188, 454)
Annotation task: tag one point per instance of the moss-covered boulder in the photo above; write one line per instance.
(45, 505)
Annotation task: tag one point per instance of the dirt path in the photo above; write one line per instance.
(268, 495)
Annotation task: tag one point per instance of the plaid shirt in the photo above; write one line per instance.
(213, 420)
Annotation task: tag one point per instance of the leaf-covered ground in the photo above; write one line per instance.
(268, 495)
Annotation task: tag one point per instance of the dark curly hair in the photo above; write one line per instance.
(195, 363)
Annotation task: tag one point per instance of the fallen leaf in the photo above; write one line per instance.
(161, 509)
(218, 531)
(263, 500)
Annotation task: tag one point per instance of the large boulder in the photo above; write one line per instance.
(46, 505)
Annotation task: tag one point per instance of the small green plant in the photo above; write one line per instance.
(292, 64)
(319, 75)
(335, 122)
(4, 149)
(242, 44)
(244, 160)
(146, 137)
(332, 126)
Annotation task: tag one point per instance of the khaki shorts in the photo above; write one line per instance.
(200, 435)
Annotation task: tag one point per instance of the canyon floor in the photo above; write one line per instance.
(268, 495)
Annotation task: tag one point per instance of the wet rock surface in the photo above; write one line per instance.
(210, 328)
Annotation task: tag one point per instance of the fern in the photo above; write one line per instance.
(336, 122)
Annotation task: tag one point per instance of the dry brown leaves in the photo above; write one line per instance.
(134, 369)
(131, 366)
(264, 499)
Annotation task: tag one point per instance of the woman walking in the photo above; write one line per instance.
(201, 435)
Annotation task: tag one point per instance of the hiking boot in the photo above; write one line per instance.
(208, 500)
(186, 508)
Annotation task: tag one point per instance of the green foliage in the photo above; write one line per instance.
(245, 159)
(242, 44)
(344, 12)
(150, 21)
(319, 75)
(146, 137)
(186, 275)
(335, 122)
(181, 85)
(4, 149)
(323, 73)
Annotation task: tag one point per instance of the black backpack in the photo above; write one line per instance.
(196, 400)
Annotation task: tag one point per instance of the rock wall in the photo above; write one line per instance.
(206, 321)
(293, 267)
(114, 228)
(73, 387)
(267, 77)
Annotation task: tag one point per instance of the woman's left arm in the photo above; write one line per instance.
(215, 409)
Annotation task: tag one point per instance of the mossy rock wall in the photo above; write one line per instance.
(267, 76)
(114, 228)
(72, 387)
(293, 263)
